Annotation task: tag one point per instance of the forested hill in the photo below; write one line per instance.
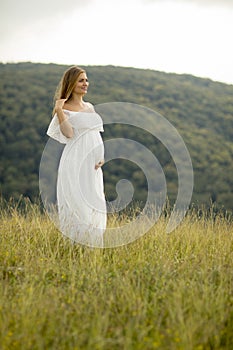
(200, 109)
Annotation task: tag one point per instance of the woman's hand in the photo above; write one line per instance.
(59, 104)
(101, 163)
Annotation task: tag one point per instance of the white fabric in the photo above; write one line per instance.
(80, 190)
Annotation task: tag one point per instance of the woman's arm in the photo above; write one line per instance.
(65, 126)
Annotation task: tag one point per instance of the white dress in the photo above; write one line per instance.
(80, 190)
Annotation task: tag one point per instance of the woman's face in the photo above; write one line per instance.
(82, 84)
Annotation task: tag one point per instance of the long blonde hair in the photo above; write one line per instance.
(67, 83)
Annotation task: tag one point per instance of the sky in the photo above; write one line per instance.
(178, 36)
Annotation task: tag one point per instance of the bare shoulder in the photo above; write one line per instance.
(90, 106)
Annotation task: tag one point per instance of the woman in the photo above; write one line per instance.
(80, 192)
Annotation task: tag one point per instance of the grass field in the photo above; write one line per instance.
(163, 291)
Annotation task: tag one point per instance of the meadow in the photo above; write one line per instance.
(163, 291)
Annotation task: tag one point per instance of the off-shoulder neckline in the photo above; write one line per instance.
(68, 110)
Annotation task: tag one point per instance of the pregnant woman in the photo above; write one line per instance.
(80, 189)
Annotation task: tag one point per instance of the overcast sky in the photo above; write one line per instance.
(181, 36)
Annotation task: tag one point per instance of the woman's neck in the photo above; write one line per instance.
(76, 100)
(76, 103)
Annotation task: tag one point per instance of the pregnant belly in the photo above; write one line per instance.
(88, 146)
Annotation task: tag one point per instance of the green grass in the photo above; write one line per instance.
(163, 291)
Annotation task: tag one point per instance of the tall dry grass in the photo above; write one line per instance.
(163, 291)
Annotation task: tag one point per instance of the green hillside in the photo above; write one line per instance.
(200, 109)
